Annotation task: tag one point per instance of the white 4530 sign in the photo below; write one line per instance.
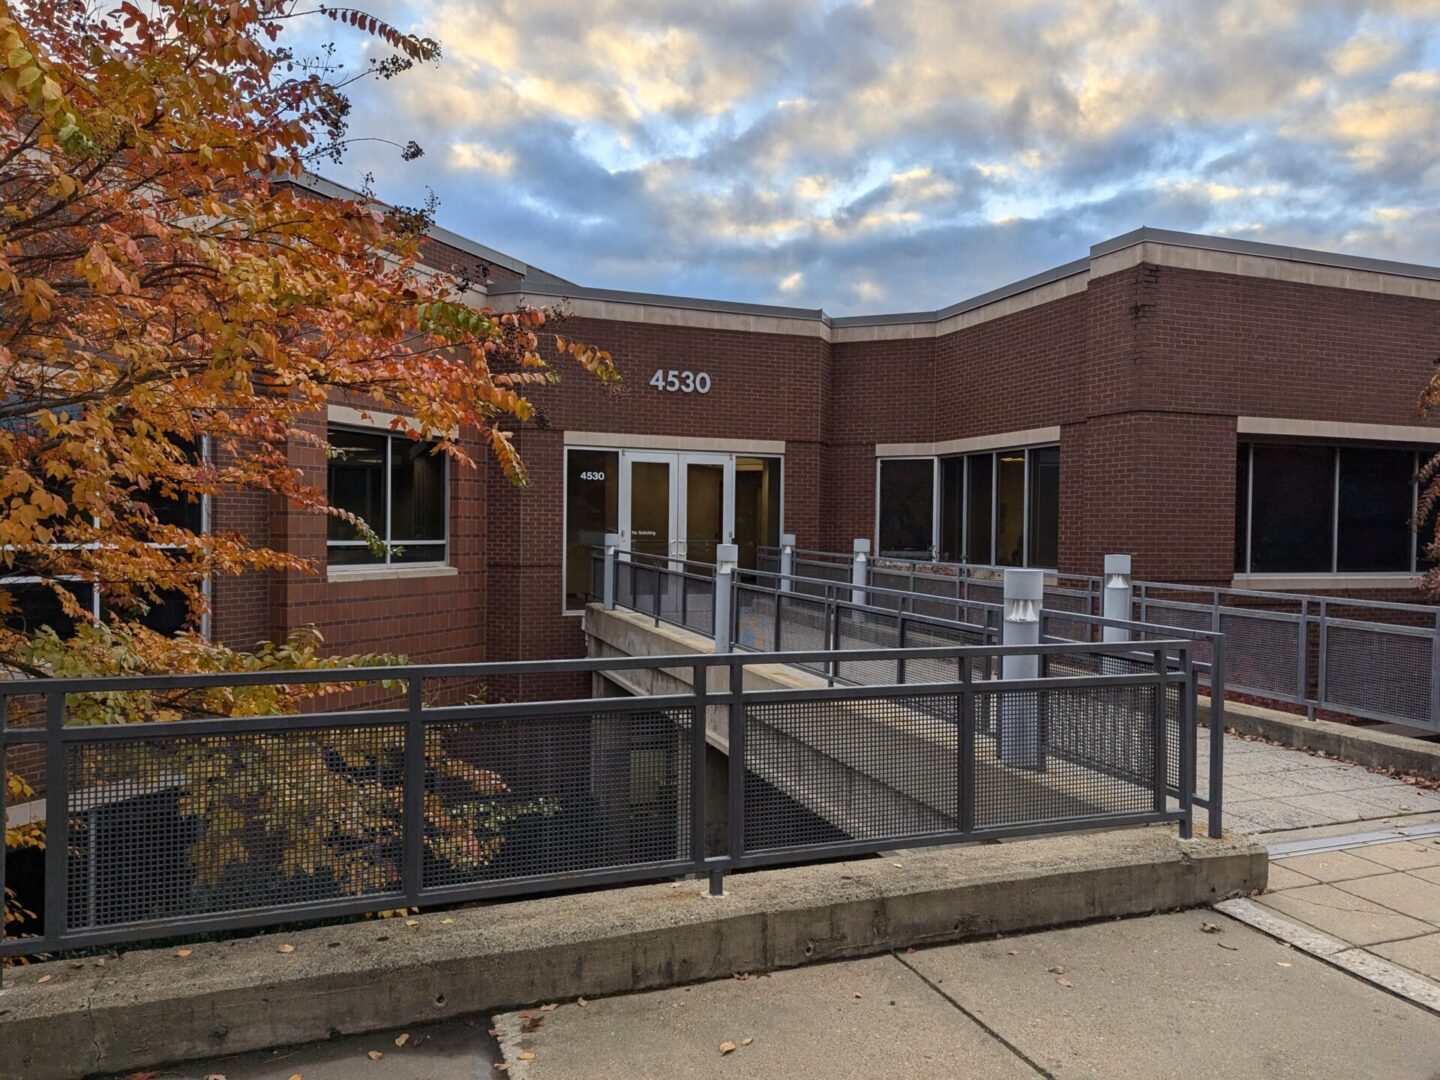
(681, 382)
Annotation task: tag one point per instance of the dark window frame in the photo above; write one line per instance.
(1244, 560)
(388, 510)
(942, 512)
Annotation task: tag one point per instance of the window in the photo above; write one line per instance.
(952, 509)
(757, 507)
(1043, 533)
(397, 486)
(33, 589)
(592, 508)
(995, 509)
(980, 510)
(907, 507)
(1313, 508)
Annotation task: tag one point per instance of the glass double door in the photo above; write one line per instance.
(677, 506)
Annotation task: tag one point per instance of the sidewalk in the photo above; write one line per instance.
(1159, 997)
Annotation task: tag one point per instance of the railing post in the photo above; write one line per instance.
(412, 828)
(1020, 713)
(787, 560)
(57, 821)
(859, 571)
(726, 556)
(1217, 725)
(699, 680)
(965, 777)
(1434, 685)
(900, 644)
(612, 548)
(1118, 599)
(735, 794)
(1117, 602)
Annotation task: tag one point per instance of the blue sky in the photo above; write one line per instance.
(889, 156)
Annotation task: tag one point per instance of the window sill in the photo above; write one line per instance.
(1291, 582)
(387, 573)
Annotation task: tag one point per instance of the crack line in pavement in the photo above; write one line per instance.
(975, 1019)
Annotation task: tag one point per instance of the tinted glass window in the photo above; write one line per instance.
(980, 501)
(182, 511)
(396, 486)
(952, 509)
(357, 485)
(907, 507)
(1375, 508)
(1044, 538)
(1242, 506)
(592, 502)
(1292, 509)
(757, 507)
(1010, 509)
(36, 606)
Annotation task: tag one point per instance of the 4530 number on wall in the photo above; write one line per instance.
(681, 382)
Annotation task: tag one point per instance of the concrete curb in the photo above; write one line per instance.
(153, 1007)
(1362, 746)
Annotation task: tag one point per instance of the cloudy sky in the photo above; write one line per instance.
(881, 156)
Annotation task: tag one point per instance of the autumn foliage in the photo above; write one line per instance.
(172, 309)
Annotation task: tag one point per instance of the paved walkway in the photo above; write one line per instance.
(1159, 997)
(1273, 789)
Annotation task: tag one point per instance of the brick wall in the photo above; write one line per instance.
(1144, 373)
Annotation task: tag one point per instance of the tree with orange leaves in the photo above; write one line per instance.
(163, 289)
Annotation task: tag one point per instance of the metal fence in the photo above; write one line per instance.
(1376, 660)
(165, 827)
(773, 613)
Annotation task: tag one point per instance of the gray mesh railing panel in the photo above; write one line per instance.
(860, 629)
(823, 771)
(698, 609)
(166, 828)
(1068, 629)
(1262, 653)
(802, 625)
(581, 792)
(1188, 617)
(755, 620)
(1067, 788)
(1375, 672)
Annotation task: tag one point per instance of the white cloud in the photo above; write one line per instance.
(853, 153)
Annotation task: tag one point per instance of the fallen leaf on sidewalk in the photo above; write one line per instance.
(183, 953)
(1056, 970)
(44, 979)
(1232, 948)
(549, 1008)
(446, 922)
(726, 1048)
(746, 1041)
(412, 922)
(1210, 928)
(496, 1032)
(502, 1066)
(527, 1056)
(1063, 981)
(214, 1076)
(581, 1002)
(286, 949)
(1283, 963)
(375, 1055)
(402, 1038)
(857, 997)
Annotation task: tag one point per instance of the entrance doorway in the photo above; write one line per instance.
(678, 506)
(670, 504)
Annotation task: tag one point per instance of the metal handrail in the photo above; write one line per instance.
(970, 706)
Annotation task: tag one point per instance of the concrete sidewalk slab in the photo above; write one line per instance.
(862, 1018)
(1160, 998)
(1347, 916)
(149, 1008)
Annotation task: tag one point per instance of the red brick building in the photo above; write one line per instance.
(1227, 411)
